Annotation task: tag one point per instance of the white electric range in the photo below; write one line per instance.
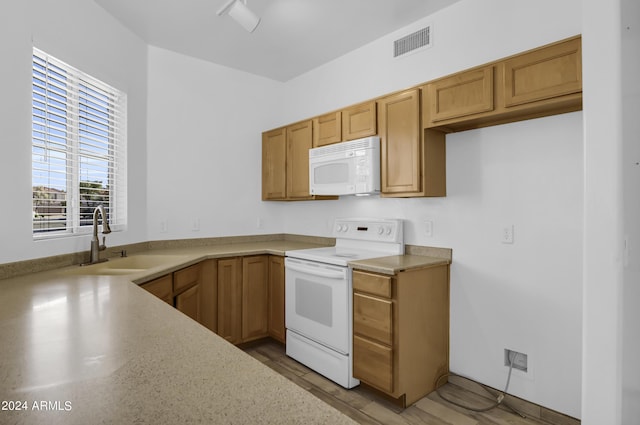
(318, 294)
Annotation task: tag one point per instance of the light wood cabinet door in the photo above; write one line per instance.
(359, 121)
(274, 154)
(400, 143)
(255, 295)
(299, 141)
(188, 302)
(185, 278)
(373, 363)
(209, 294)
(276, 298)
(161, 287)
(230, 299)
(463, 94)
(327, 129)
(543, 73)
(373, 318)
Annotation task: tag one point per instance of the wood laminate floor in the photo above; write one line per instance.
(367, 407)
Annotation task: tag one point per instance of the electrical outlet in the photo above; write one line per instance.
(163, 226)
(428, 228)
(520, 360)
(507, 234)
(260, 223)
(195, 225)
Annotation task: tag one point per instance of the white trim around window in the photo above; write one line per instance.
(78, 149)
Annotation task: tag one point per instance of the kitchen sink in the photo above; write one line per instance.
(128, 265)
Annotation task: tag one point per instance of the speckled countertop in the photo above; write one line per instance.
(397, 263)
(78, 349)
(97, 349)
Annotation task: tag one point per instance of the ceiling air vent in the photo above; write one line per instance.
(414, 41)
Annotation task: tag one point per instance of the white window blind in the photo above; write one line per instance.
(78, 149)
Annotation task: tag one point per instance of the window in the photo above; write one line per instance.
(78, 149)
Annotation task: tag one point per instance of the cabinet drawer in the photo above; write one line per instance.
(372, 284)
(373, 363)
(184, 278)
(161, 288)
(373, 318)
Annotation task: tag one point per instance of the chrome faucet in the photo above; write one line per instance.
(95, 243)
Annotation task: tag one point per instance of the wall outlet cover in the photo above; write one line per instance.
(507, 234)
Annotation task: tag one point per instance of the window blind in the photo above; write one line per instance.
(78, 149)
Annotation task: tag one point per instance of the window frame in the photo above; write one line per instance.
(88, 139)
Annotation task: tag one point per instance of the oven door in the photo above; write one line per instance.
(317, 302)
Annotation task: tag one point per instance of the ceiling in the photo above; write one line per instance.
(293, 37)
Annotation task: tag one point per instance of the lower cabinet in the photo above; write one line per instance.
(230, 299)
(239, 298)
(188, 302)
(276, 298)
(251, 298)
(161, 287)
(401, 331)
(255, 293)
(185, 289)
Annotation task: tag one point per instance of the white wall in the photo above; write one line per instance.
(611, 374)
(99, 46)
(631, 182)
(204, 148)
(526, 296)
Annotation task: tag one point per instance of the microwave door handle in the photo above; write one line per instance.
(330, 274)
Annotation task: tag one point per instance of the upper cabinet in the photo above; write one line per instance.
(543, 74)
(412, 162)
(399, 124)
(285, 162)
(274, 160)
(359, 121)
(412, 124)
(327, 129)
(540, 82)
(461, 95)
(299, 141)
(351, 123)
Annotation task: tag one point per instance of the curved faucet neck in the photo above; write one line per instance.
(105, 224)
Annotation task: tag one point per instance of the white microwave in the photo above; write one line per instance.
(346, 168)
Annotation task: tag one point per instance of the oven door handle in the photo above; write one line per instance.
(330, 274)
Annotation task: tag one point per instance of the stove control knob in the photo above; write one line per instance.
(339, 227)
(345, 227)
(388, 231)
(380, 230)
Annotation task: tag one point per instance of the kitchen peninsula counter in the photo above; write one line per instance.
(82, 349)
(78, 348)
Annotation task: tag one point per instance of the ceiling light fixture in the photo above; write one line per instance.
(239, 11)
